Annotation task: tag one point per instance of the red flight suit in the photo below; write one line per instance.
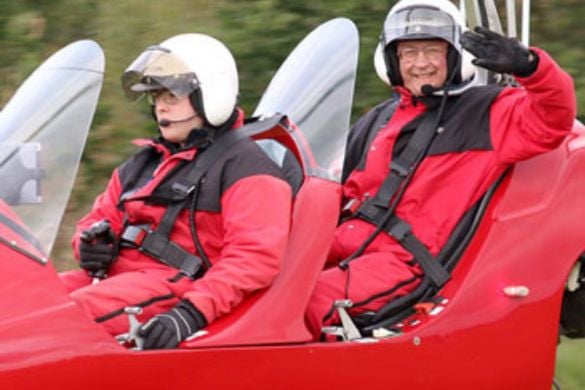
(475, 149)
(243, 227)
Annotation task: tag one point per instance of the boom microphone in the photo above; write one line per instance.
(428, 89)
(168, 122)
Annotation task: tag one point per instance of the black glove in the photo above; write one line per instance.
(498, 53)
(167, 330)
(97, 249)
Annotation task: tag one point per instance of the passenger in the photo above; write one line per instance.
(186, 251)
(480, 131)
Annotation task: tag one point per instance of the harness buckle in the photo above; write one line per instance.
(134, 234)
(351, 208)
(160, 248)
(191, 266)
(182, 189)
(400, 230)
(396, 166)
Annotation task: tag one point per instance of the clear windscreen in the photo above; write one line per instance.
(158, 68)
(314, 87)
(43, 129)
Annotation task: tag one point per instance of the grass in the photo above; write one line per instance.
(570, 369)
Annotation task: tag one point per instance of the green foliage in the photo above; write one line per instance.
(570, 363)
(557, 26)
(21, 30)
(261, 33)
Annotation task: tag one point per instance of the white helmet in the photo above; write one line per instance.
(422, 19)
(197, 65)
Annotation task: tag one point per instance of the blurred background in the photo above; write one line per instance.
(260, 33)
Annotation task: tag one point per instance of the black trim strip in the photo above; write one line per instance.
(22, 232)
(373, 297)
(118, 312)
(40, 260)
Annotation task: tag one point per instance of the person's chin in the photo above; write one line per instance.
(418, 90)
(170, 138)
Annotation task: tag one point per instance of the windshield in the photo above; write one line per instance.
(157, 68)
(43, 129)
(314, 87)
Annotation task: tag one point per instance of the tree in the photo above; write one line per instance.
(263, 33)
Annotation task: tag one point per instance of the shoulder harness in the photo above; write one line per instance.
(379, 210)
(177, 193)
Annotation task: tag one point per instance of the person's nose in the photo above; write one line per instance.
(161, 106)
(421, 59)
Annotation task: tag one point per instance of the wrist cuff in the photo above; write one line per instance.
(193, 312)
(533, 60)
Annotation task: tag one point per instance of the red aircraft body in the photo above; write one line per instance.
(495, 326)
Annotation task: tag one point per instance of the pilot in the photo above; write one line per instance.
(182, 229)
(417, 162)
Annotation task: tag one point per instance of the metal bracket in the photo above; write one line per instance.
(132, 335)
(573, 282)
(347, 331)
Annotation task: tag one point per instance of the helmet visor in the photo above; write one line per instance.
(157, 68)
(421, 23)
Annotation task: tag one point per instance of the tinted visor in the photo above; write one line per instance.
(421, 23)
(157, 68)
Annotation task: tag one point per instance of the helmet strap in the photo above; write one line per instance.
(196, 99)
(392, 64)
(453, 66)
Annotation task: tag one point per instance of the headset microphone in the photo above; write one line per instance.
(168, 122)
(428, 89)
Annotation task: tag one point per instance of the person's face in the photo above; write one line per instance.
(422, 62)
(172, 108)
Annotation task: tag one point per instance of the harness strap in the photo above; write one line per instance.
(377, 209)
(185, 186)
(156, 243)
(402, 231)
(162, 249)
(405, 163)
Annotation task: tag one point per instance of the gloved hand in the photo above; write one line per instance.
(167, 330)
(97, 249)
(498, 53)
(96, 257)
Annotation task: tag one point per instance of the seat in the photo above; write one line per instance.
(276, 315)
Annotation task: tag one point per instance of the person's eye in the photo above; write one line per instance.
(409, 53)
(434, 52)
(171, 99)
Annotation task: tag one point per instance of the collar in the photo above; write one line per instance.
(407, 99)
(198, 139)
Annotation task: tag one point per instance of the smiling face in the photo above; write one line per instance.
(422, 62)
(179, 112)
